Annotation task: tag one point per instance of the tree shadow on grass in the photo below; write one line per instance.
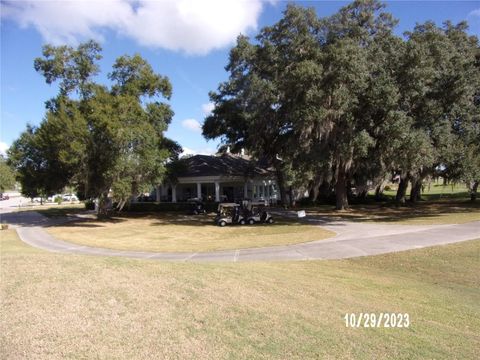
(65, 217)
(386, 212)
(76, 223)
(91, 222)
(208, 220)
(389, 212)
(173, 218)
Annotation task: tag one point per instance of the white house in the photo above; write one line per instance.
(225, 177)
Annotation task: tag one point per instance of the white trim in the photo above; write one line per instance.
(174, 194)
(212, 179)
(217, 191)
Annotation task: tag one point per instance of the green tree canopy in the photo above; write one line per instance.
(343, 100)
(105, 139)
(7, 175)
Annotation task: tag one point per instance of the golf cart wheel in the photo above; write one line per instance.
(270, 221)
(251, 222)
(222, 223)
(242, 222)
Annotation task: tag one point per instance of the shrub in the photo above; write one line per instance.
(89, 205)
(159, 207)
(58, 200)
(305, 202)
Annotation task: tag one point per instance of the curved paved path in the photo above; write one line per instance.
(352, 240)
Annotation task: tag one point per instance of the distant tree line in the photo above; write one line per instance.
(7, 175)
(341, 102)
(102, 140)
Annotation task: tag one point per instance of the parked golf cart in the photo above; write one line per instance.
(229, 213)
(256, 211)
(196, 206)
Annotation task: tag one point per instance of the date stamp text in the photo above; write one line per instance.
(374, 320)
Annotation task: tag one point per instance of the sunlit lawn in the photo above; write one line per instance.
(179, 232)
(57, 306)
(437, 191)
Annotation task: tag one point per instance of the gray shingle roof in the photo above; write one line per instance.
(226, 165)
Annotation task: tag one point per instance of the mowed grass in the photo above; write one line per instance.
(423, 213)
(440, 204)
(183, 233)
(437, 191)
(56, 306)
(56, 210)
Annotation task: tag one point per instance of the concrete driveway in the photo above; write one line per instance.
(353, 239)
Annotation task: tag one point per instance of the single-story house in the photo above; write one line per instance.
(226, 177)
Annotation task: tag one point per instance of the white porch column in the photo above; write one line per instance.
(158, 193)
(245, 190)
(174, 193)
(199, 190)
(217, 191)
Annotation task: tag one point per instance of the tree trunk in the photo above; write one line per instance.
(416, 191)
(281, 183)
(314, 192)
(473, 190)
(103, 205)
(402, 189)
(341, 189)
(362, 195)
(315, 189)
(291, 197)
(379, 191)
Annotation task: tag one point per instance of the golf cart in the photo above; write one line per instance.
(256, 212)
(196, 206)
(229, 213)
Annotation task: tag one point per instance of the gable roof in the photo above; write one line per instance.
(223, 165)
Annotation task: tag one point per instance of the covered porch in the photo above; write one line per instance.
(218, 189)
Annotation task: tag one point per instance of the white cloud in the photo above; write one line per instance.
(473, 18)
(192, 124)
(189, 152)
(474, 13)
(207, 108)
(3, 148)
(194, 27)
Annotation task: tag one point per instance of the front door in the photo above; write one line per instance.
(228, 193)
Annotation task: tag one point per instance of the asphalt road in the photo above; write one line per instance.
(353, 239)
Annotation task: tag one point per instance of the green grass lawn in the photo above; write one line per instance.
(440, 204)
(55, 210)
(183, 233)
(436, 191)
(56, 306)
(424, 213)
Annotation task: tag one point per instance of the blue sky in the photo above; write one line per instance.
(188, 41)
